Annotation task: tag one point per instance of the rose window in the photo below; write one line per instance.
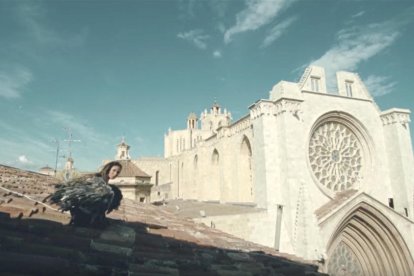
(335, 156)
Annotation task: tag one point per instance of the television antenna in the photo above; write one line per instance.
(70, 140)
(57, 154)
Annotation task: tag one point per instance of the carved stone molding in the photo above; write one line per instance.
(395, 117)
(262, 108)
(288, 105)
(268, 108)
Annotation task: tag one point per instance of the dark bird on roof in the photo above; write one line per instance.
(89, 198)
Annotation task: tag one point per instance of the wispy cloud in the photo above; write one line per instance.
(35, 142)
(219, 7)
(12, 84)
(361, 13)
(187, 8)
(21, 152)
(196, 37)
(24, 160)
(33, 16)
(257, 14)
(379, 85)
(76, 125)
(217, 54)
(356, 45)
(277, 31)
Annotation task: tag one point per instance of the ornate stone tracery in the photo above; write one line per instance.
(335, 156)
(344, 262)
(395, 116)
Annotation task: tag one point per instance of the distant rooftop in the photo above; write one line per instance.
(129, 169)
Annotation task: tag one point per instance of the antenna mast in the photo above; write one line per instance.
(70, 140)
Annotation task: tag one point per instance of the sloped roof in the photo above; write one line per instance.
(129, 169)
(192, 116)
(339, 198)
(26, 181)
(140, 240)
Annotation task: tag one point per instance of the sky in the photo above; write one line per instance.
(103, 70)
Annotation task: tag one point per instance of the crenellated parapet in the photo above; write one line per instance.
(395, 116)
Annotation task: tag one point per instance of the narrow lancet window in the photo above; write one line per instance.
(315, 84)
(348, 88)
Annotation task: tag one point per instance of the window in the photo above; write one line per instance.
(348, 88)
(215, 157)
(391, 202)
(315, 84)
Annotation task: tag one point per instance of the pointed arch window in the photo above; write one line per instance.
(315, 84)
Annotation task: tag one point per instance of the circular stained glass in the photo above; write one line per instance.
(335, 156)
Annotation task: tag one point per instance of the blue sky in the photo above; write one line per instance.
(107, 69)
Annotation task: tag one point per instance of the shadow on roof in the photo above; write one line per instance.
(42, 247)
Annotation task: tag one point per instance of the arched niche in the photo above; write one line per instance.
(244, 170)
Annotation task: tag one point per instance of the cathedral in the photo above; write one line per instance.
(328, 175)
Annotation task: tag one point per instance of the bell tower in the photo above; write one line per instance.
(192, 121)
(122, 151)
(216, 118)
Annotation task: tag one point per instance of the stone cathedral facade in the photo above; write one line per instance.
(330, 176)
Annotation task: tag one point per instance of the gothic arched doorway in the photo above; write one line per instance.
(367, 243)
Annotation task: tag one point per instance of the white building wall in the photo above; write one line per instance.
(399, 153)
(279, 132)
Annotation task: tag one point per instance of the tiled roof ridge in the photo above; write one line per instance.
(25, 171)
(129, 168)
(173, 229)
(28, 198)
(40, 247)
(142, 239)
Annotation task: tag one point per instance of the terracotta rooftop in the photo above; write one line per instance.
(141, 239)
(129, 169)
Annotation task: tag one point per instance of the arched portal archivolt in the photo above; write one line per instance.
(367, 243)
